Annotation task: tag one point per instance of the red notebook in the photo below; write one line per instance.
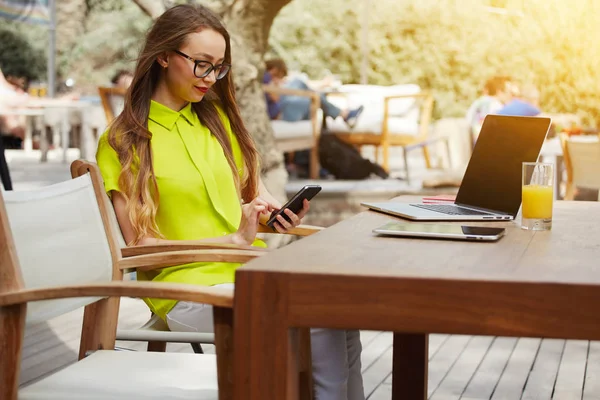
(439, 199)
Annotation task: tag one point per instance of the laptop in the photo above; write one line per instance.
(491, 186)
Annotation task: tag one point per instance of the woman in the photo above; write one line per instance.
(178, 160)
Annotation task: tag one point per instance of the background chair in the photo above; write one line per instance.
(581, 157)
(113, 100)
(398, 115)
(69, 259)
(300, 135)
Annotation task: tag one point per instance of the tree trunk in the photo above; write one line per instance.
(70, 25)
(249, 23)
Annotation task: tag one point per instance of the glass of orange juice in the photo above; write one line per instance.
(538, 195)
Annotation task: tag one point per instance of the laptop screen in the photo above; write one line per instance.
(493, 176)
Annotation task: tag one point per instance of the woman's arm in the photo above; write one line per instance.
(264, 194)
(120, 206)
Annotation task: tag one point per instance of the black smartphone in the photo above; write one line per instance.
(295, 203)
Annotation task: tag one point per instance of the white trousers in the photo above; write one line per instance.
(335, 353)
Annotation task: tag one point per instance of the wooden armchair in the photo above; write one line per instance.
(112, 101)
(155, 331)
(300, 135)
(581, 157)
(398, 115)
(68, 259)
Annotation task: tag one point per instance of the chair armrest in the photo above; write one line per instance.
(300, 230)
(220, 297)
(406, 96)
(131, 251)
(425, 113)
(154, 261)
(425, 142)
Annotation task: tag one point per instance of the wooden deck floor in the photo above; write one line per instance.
(461, 367)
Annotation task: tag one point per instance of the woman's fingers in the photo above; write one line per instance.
(304, 210)
(279, 228)
(285, 224)
(295, 220)
(259, 201)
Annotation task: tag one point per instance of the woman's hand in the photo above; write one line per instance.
(282, 226)
(251, 213)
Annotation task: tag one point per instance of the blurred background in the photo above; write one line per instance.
(448, 46)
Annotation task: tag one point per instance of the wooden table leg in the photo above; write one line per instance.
(223, 323)
(266, 351)
(409, 373)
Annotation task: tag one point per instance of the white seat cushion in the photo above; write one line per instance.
(291, 130)
(372, 97)
(126, 375)
(403, 116)
(373, 124)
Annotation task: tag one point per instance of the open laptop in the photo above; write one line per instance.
(491, 186)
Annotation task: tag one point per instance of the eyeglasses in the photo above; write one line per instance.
(203, 68)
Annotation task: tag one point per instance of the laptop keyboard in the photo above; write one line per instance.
(450, 209)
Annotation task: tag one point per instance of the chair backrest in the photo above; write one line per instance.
(113, 100)
(60, 240)
(372, 97)
(83, 167)
(584, 160)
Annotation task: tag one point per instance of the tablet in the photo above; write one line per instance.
(440, 231)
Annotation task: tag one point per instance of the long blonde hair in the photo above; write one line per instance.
(129, 134)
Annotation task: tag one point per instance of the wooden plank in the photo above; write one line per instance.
(515, 375)
(374, 349)
(571, 373)
(48, 345)
(383, 392)
(378, 371)
(380, 350)
(457, 379)
(53, 345)
(447, 355)
(542, 377)
(131, 314)
(367, 337)
(483, 383)
(591, 389)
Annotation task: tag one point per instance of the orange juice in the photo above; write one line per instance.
(537, 201)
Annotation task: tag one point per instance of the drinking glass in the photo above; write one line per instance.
(538, 195)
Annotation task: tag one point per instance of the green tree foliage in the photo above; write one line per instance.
(19, 54)
(114, 33)
(452, 47)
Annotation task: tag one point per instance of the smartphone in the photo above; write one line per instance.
(441, 231)
(295, 203)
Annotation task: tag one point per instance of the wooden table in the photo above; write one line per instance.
(532, 284)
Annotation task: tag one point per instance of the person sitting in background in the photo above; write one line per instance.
(297, 108)
(525, 104)
(497, 92)
(122, 79)
(10, 96)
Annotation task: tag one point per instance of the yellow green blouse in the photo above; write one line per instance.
(198, 198)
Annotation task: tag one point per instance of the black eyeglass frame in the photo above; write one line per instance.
(219, 74)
